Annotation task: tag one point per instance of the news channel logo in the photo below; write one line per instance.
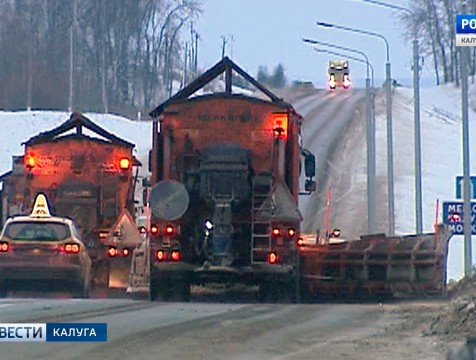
(53, 332)
(466, 30)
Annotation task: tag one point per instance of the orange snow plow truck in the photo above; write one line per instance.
(87, 176)
(223, 199)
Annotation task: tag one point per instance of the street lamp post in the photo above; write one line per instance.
(467, 228)
(417, 136)
(416, 114)
(388, 82)
(371, 199)
(466, 177)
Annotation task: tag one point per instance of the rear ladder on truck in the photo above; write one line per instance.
(273, 280)
(260, 226)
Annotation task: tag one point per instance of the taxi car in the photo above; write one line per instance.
(41, 247)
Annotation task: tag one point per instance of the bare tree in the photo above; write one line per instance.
(436, 22)
(126, 53)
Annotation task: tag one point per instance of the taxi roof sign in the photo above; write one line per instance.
(40, 208)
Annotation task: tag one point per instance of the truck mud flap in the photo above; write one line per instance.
(119, 270)
(139, 275)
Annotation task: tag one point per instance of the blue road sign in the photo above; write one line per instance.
(459, 187)
(456, 223)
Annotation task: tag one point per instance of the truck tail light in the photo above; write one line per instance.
(291, 232)
(112, 251)
(169, 230)
(272, 257)
(71, 248)
(4, 246)
(154, 229)
(175, 255)
(160, 255)
(124, 163)
(276, 231)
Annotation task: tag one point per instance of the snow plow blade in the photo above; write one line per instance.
(377, 265)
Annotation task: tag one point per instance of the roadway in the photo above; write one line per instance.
(334, 129)
(204, 330)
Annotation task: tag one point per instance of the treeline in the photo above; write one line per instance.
(434, 24)
(277, 79)
(94, 55)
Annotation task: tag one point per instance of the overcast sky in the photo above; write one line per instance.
(268, 32)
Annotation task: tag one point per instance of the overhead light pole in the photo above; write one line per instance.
(467, 230)
(388, 87)
(467, 226)
(371, 198)
(416, 114)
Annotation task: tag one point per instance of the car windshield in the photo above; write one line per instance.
(37, 231)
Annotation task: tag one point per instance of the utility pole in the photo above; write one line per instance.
(185, 64)
(195, 63)
(223, 46)
(71, 56)
(103, 60)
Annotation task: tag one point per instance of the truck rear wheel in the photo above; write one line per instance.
(181, 290)
(170, 290)
(159, 291)
(273, 291)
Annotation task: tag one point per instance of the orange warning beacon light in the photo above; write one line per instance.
(280, 125)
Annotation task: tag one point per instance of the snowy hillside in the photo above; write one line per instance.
(17, 127)
(441, 158)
